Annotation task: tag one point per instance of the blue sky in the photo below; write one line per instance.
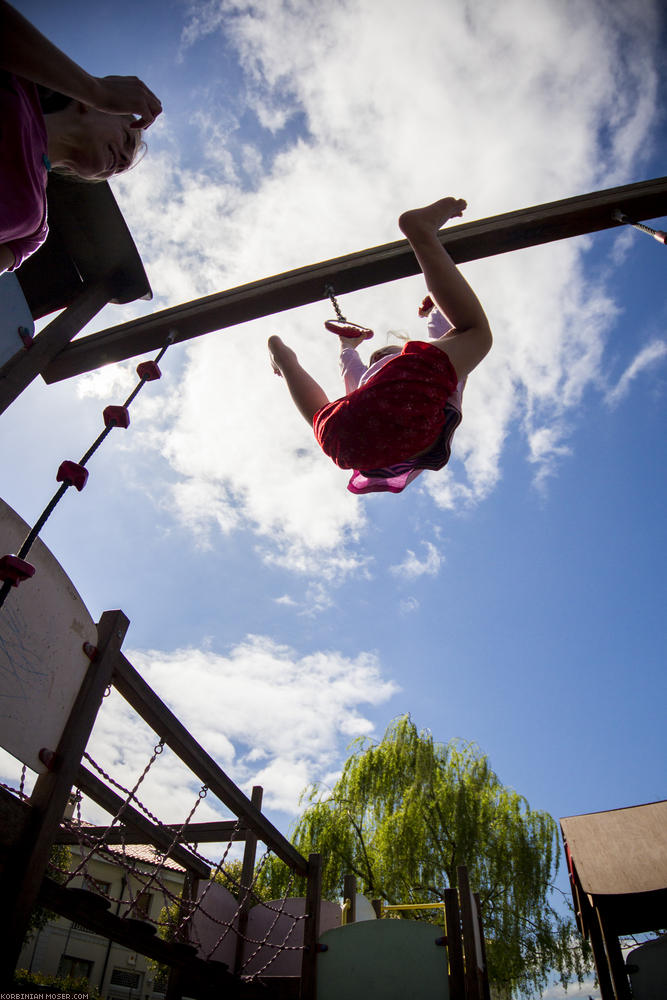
(515, 600)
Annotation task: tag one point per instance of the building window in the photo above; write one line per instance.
(122, 977)
(78, 968)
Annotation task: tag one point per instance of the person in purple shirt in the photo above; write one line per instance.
(55, 115)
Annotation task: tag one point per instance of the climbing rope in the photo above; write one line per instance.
(13, 568)
(657, 234)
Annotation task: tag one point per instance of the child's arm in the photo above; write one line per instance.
(471, 339)
(351, 367)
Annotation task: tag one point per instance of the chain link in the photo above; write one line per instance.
(329, 289)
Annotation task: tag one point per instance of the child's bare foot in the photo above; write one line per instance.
(428, 220)
(277, 351)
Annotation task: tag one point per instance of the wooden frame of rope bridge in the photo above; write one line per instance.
(527, 227)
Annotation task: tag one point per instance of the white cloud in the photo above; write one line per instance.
(412, 567)
(563, 105)
(265, 714)
(646, 358)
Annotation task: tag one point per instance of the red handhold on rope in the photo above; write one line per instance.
(116, 416)
(73, 473)
(15, 570)
(148, 371)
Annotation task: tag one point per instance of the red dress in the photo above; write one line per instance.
(396, 414)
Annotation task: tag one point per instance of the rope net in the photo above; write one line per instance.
(149, 884)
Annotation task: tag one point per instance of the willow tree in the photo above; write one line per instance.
(407, 811)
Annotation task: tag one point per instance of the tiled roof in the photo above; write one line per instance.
(144, 853)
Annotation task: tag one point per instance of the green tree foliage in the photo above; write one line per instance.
(407, 811)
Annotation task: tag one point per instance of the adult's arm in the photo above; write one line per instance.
(25, 52)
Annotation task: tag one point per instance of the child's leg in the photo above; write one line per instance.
(470, 340)
(308, 396)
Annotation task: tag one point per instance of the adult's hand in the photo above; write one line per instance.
(28, 53)
(125, 95)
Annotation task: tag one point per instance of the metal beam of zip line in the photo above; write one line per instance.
(526, 227)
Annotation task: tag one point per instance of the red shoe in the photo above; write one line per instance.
(345, 329)
(426, 306)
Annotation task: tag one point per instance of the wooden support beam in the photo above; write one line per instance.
(215, 832)
(19, 371)
(456, 972)
(247, 878)
(527, 227)
(311, 929)
(21, 880)
(350, 896)
(468, 923)
(145, 829)
(143, 700)
(14, 822)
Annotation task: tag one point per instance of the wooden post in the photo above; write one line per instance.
(484, 971)
(311, 930)
(21, 883)
(175, 980)
(247, 873)
(17, 373)
(557, 220)
(454, 947)
(175, 984)
(619, 973)
(472, 990)
(350, 892)
(591, 929)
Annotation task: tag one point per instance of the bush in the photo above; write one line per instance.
(37, 982)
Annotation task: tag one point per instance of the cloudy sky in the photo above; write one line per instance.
(515, 599)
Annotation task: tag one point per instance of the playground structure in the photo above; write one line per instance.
(80, 270)
(219, 943)
(31, 661)
(617, 862)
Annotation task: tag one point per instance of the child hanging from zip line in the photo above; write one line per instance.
(399, 415)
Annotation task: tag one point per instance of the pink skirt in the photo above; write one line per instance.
(394, 416)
